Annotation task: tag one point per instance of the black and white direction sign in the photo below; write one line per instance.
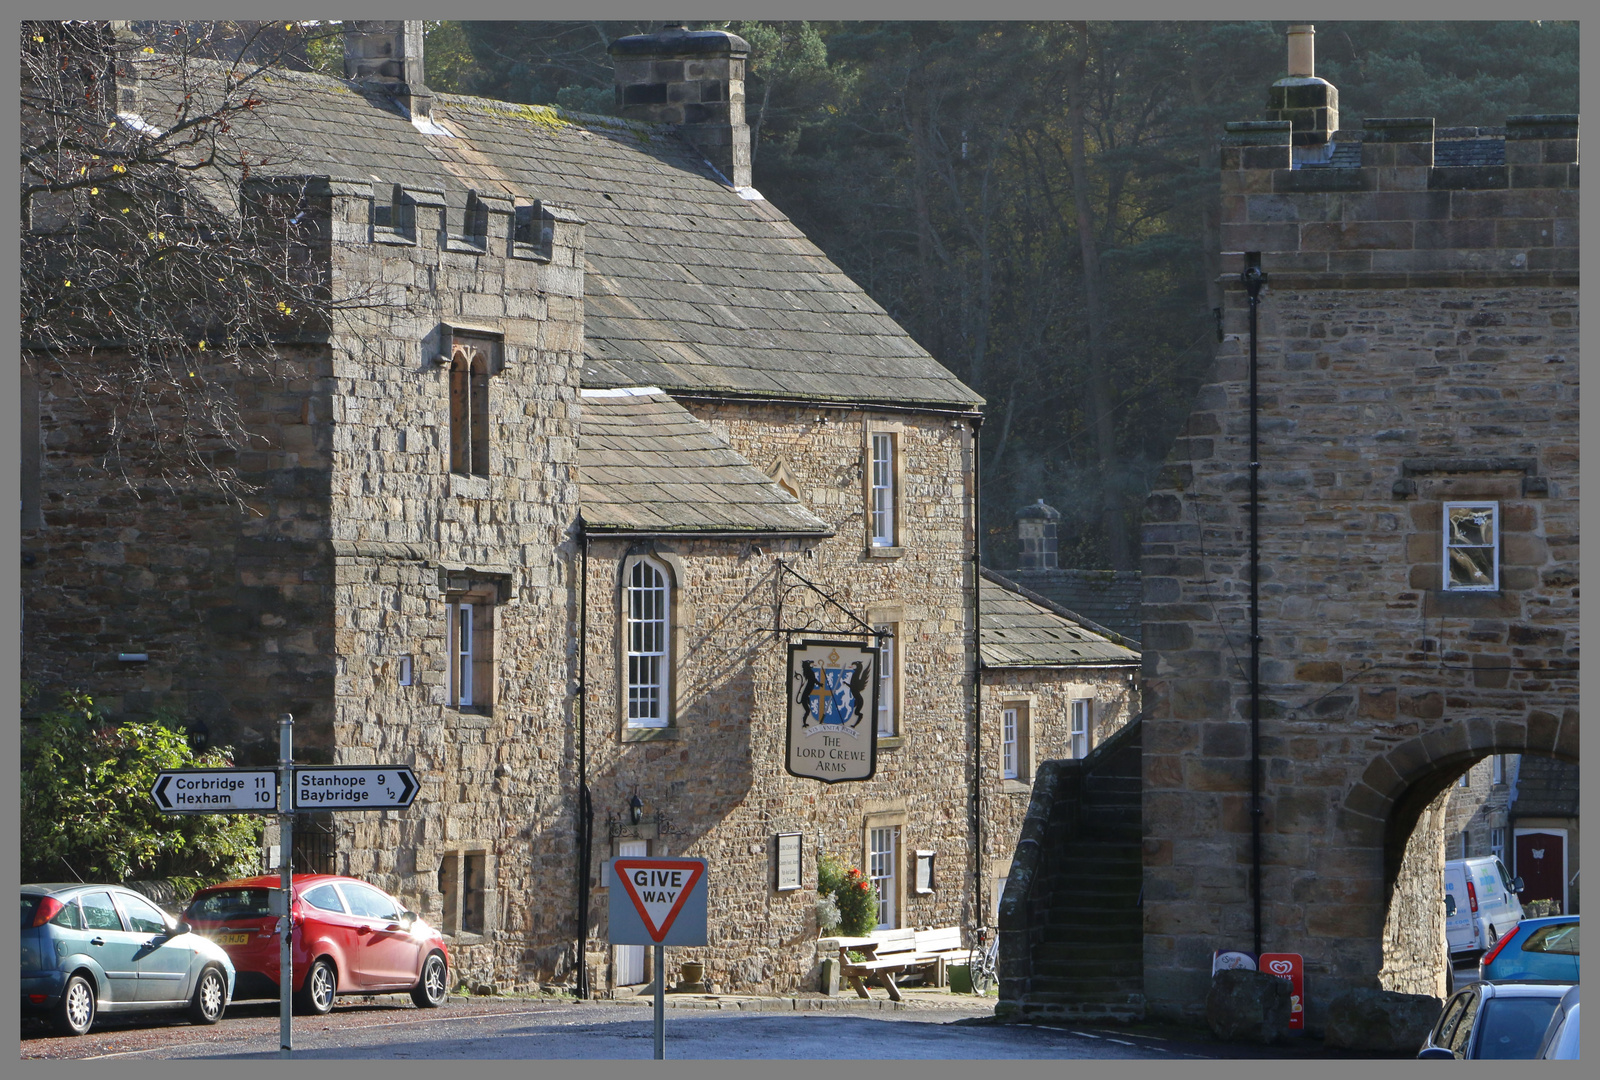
(657, 901)
(353, 787)
(216, 791)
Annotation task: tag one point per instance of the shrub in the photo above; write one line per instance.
(87, 810)
(852, 894)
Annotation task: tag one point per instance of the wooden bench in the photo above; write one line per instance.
(888, 953)
(941, 947)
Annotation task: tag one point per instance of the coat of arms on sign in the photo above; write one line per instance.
(833, 703)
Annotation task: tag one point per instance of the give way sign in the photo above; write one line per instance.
(657, 902)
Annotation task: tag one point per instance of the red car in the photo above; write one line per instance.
(349, 938)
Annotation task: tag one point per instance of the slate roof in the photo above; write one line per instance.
(1455, 147)
(646, 464)
(691, 285)
(1113, 599)
(1021, 629)
(1545, 788)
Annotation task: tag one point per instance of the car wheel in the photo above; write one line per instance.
(210, 997)
(74, 1013)
(322, 983)
(431, 990)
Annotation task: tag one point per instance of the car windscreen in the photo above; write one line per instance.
(1511, 1027)
(231, 904)
(1561, 938)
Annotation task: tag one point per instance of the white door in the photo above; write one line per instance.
(630, 958)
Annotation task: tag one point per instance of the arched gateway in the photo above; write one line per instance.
(1393, 594)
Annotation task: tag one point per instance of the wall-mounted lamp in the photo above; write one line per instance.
(199, 736)
(635, 809)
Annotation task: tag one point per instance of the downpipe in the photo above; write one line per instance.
(1253, 279)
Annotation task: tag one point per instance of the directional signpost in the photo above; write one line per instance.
(216, 791)
(353, 787)
(658, 902)
(289, 788)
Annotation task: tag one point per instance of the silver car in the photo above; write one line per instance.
(88, 949)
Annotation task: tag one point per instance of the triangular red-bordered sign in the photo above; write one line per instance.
(667, 884)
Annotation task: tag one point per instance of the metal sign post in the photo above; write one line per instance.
(657, 902)
(286, 889)
(661, 1003)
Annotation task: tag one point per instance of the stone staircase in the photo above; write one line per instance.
(1071, 929)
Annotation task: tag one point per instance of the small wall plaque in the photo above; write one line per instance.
(788, 845)
(924, 882)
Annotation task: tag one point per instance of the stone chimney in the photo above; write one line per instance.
(1309, 103)
(1036, 537)
(387, 55)
(694, 79)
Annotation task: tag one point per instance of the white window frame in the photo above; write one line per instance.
(1451, 545)
(881, 488)
(888, 713)
(1497, 774)
(1010, 721)
(657, 684)
(1497, 843)
(883, 854)
(461, 653)
(1082, 716)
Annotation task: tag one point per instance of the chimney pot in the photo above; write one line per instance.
(1302, 50)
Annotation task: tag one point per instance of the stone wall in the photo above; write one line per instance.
(1418, 343)
(231, 603)
(1046, 695)
(1416, 955)
(1475, 810)
(717, 777)
(409, 537)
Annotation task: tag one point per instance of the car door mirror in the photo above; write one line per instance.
(1435, 1053)
(183, 926)
(1516, 884)
(407, 918)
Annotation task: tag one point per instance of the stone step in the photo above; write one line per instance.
(1079, 989)
(1070, 933)
(1056, 952)
(1129, 967)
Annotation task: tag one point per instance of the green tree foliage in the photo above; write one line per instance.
(87, 810)
(855, 897)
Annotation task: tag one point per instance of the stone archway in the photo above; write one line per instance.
(1411, 780)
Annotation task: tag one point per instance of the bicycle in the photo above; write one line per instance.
(983, 959)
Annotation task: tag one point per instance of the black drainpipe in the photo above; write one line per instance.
(1253, 279)
(585, 807)
(977, 676)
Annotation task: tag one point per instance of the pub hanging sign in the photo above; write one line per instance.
(833, 709)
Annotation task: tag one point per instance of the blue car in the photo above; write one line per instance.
(1502, 1021)
(88, 949)
(1535, 949)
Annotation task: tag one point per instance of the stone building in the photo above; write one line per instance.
(539, 516)
(1542, 822)
(1413, 402)
(1054, 689)
(1108, 599)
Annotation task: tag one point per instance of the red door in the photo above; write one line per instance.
(1541, 863)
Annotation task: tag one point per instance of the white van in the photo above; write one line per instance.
(1480, 903)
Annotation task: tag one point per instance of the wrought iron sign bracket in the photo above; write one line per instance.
(861, 628)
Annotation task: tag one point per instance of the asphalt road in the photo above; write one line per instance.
(513, 1029)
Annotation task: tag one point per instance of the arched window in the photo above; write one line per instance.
(469, 409)
(648, 640)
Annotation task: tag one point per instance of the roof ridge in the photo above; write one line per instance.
(1056, 609)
